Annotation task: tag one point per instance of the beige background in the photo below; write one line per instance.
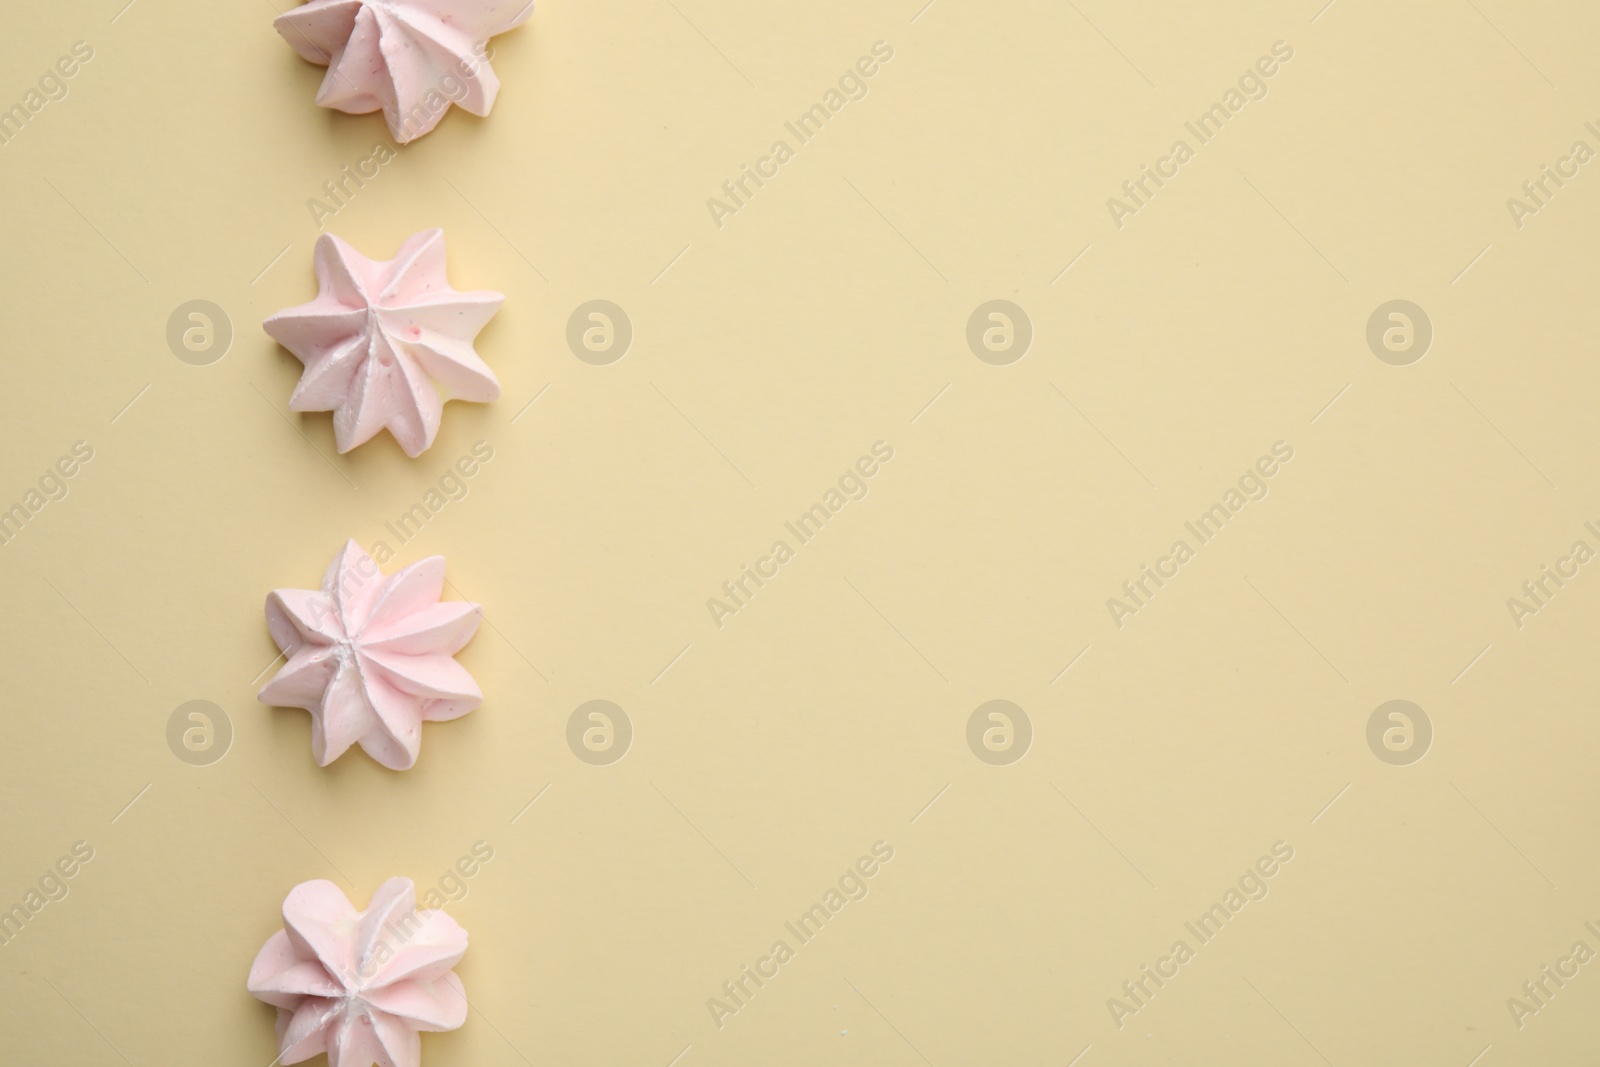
(768, 355)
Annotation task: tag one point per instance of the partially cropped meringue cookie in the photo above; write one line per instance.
(387, 342)
(360, 985)
(372, 658)
(410, 58)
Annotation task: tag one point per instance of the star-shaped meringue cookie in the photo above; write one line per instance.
(387, 342)
(410, 58)
(372, 658)
(360, 985)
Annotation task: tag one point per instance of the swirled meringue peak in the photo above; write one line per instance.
(360, 985)
(387, 342)
(372, 658)
(411, 59)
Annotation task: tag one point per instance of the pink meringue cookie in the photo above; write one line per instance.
(372, 658)
(411, 58)
(360, 985)
(386, 343)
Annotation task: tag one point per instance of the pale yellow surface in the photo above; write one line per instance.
(826, 715)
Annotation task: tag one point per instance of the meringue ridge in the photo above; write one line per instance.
(410, 59)
(372, 657)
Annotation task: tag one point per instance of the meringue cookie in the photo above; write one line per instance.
(360, 985)
(411, 58)
(386, 343)
(371, 658)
